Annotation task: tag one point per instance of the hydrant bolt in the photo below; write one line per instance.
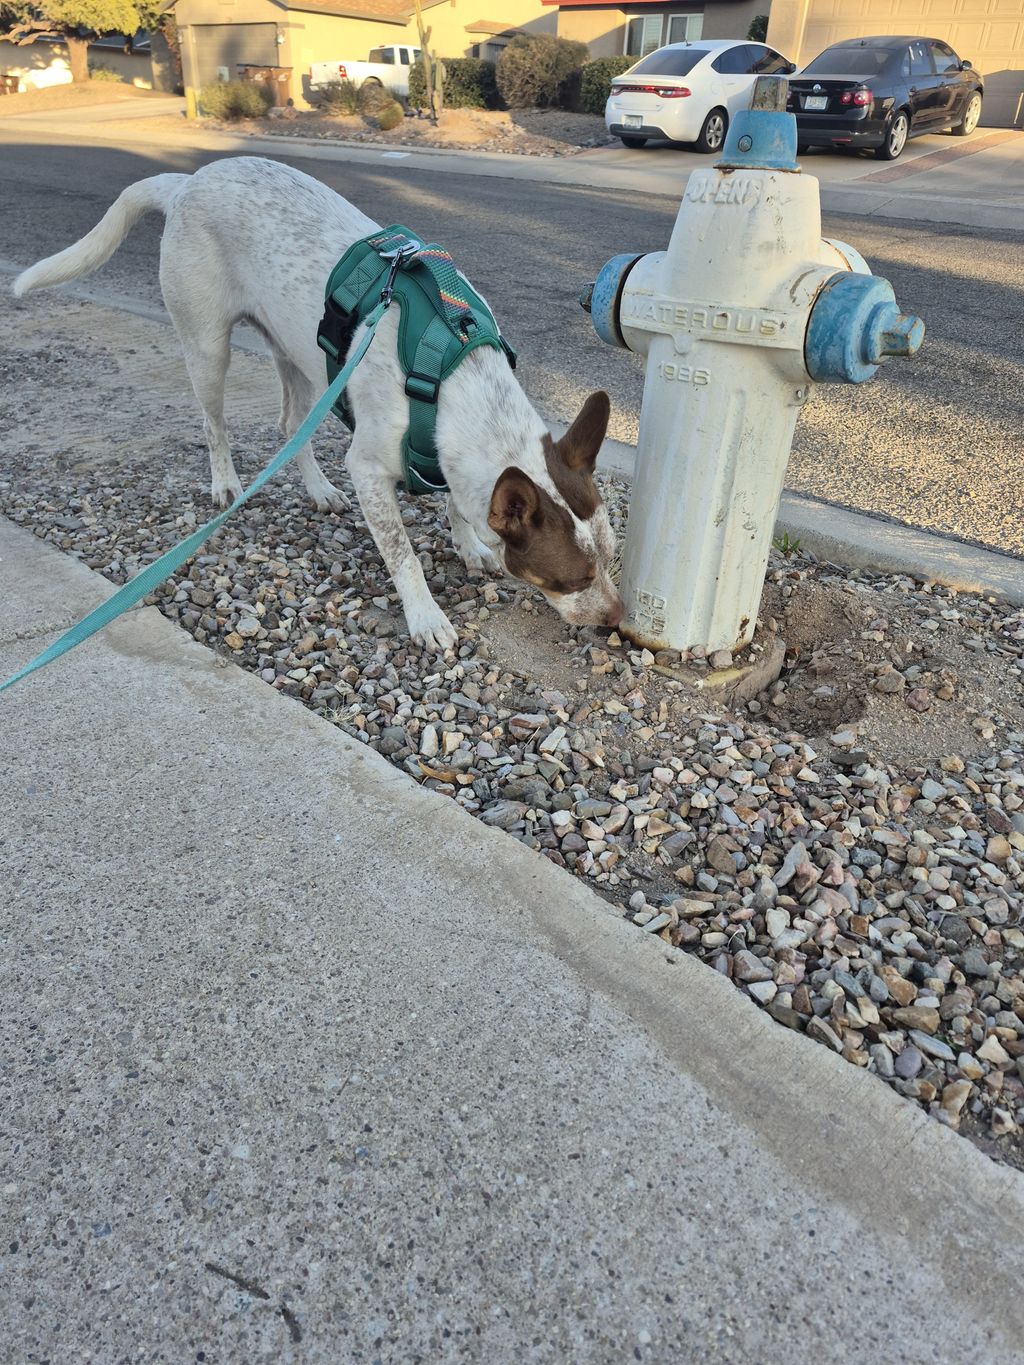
(904, 337)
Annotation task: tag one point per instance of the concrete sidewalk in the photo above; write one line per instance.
(301, 1062)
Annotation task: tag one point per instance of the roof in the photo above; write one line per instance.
(492, 27)
(384, 11)
(617, 4)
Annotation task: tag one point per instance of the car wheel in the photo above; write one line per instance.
(634, 141)
(712, 133)
(972, 114)
(895, 138)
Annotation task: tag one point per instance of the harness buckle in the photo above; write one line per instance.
(396, 265)
(422, 386)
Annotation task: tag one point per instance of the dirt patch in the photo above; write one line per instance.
(527, 132)
(81, 96)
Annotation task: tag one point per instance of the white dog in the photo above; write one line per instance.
(251, 240)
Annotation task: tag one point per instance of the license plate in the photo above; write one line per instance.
(633, 120)
(815, 101)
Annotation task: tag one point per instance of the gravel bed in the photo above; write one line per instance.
(524, 132)
(847, 848)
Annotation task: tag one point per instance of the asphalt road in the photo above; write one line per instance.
(935, 442)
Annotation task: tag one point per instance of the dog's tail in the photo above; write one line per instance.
(97, 246)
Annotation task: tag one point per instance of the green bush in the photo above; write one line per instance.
(596, 82)
(758, 30)
(373, 98)
(390, 116)
(537, 71)
(339, 97)
(235, 99)
(469, 83)
(105, 73)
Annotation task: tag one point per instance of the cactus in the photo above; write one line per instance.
(433, 69)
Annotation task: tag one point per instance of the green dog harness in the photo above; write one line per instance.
(441, 320)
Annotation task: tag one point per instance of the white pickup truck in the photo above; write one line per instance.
(388, 66)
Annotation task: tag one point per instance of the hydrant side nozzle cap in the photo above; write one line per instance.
(606, 295)
(854, 325)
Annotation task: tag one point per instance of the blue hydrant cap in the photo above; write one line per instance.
(604, 299)
(763, 136)
(854, 325)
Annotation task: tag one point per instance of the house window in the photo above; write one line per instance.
(646, 32)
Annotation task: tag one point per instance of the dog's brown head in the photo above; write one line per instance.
(565, 551)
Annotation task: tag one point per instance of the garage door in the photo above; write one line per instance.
(989, 33)
(220, 47)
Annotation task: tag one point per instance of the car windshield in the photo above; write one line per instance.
(669, 61)
(850, 61)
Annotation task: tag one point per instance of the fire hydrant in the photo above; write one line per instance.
(739, 318)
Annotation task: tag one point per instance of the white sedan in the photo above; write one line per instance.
(687, 92)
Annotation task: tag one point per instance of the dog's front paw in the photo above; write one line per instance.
(327, 498)
(430, 628)
(479, 558)
(223, 492)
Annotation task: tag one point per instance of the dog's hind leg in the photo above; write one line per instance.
(297, 397)
(207, 348)
(375, 489)
(207, 363)
(198, 300)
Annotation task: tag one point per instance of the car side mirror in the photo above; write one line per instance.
(791, 69)
(965, 65)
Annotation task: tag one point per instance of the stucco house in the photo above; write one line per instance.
(632, 28)
(989, 33)
(217, 35)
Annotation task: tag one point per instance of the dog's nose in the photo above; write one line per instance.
(614, 615)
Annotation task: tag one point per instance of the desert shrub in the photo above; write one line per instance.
(339, 97)
(596, 82)
(390, 116)
(469, 83)
(536, 71)
(758, 30)
(373, 98)
(235, 99)
(104, 73)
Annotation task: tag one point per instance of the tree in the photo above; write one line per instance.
(758, 30)
(76, 22)
(159, 21)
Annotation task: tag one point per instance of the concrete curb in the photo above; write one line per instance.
(851, 1146)
(853, 538)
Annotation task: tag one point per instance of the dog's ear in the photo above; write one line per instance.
(581, 443)
(515, 511)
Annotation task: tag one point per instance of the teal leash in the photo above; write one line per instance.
(153, 574)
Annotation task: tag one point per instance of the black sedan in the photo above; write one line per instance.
(878, 92)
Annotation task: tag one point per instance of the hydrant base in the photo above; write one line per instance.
(741, 683)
